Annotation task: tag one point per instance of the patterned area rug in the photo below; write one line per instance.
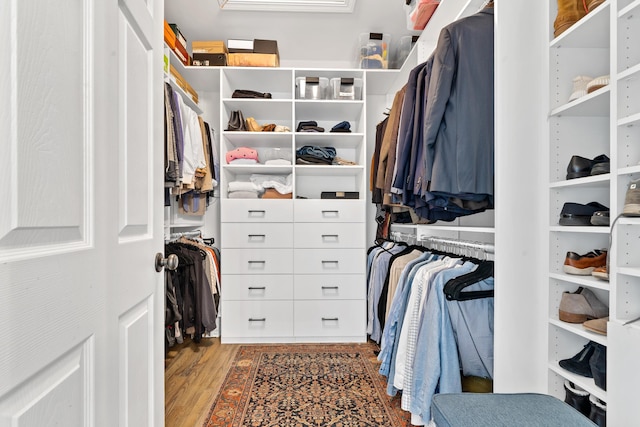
(305, 385)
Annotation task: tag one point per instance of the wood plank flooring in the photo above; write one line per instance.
(193, 375)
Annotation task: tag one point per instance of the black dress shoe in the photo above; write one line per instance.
(579, 364)
(579, 214)
(598, 365)
(579, 167)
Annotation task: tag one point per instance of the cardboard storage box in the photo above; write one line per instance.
(265, 54)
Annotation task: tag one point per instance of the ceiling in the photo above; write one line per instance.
(305, 39)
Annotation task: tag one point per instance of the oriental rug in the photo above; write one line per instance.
(328, 385)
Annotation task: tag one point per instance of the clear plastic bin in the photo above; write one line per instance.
(345, 88)
(311, 87)
(373, 50)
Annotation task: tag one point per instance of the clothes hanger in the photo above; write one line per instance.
(453, 289)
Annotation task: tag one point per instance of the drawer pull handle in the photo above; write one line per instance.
(333, 236)
(257, 288)
(257, 262)
(256, 211)
(256, 214)
(329, 262)
(329, 287)
(251, 236)
(262, 319)
(335, 213)
(329, 319)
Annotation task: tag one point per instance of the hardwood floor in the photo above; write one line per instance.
(193, 375)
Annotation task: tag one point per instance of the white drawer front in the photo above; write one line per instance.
(329, 211)
(329, 286)
(257, 287)
(328, 235)
(257, 319)
(257, 210)
(254, 235)
(329, 261)
(329, 318)
(257, 261)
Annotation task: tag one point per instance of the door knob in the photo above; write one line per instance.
(170, 262)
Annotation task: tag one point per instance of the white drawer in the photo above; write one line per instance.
(329, 318)
(256, 210)
(257, 261)
(257, 287)
(329, 211)
(329, 286)
(329, 261)
(328, 235)
(257, 319)
(254, 235)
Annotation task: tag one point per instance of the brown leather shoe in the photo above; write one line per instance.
(593, 4)
(583, 265)
(599, 326)
(580, 306)
(569, 12)
(601, 273)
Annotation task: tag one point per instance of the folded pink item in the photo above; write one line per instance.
(242, 153)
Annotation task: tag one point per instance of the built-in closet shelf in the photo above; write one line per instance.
(312, 170)
(185, 96)
(629, 72)
(629, 9)
(204, 79)
(588, 281)
(331, 102)
(380, 82)
(629, 271)
(629, 121)
(232, 134)
(589, 181)
(592, 31)
(629, 171)
(594, 104)
(586, 229)
(578, 329)
(346, 140)
(585, 383)
(259, 169)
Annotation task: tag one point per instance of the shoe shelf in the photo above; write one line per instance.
(589, 181)
(585, 383)
(574, 229)
(627, 7)
(588, 281)
(578, 329)
(593, 104)
(592, 31)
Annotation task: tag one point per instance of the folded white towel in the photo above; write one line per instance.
(243, 186)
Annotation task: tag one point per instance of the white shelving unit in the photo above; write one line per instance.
(296, 266)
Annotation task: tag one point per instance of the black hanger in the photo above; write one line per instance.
(453, 289)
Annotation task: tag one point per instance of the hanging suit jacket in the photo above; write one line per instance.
(458, 127)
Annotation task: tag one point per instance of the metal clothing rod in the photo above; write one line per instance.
(175, 236)
(485, 247)
(399, 236)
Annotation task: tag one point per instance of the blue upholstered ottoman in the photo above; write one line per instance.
(508, 410)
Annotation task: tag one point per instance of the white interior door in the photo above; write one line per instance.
(81, 304)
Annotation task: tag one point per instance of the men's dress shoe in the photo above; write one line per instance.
(598, 412)
(601, 165)
(578, 214)
(569, 12)
(598, 365)
(632, 199)
(579, 364)
(584, 265)
(600, 218)
(580, 306)
(577, 398)
(599, 326)
(601, 273)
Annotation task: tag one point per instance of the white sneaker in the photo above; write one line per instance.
(597, 83)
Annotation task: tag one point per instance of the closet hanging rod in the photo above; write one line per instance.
(485, 247)
(399, 236)
(195, 233)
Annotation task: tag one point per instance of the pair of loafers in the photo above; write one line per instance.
(580, 167)
(577, 214)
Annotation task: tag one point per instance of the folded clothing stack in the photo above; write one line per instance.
(275, 156)
(315, 155)
(344, 127)
(281, 184)
(242, 155)
(309, 126)
(243, 190)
